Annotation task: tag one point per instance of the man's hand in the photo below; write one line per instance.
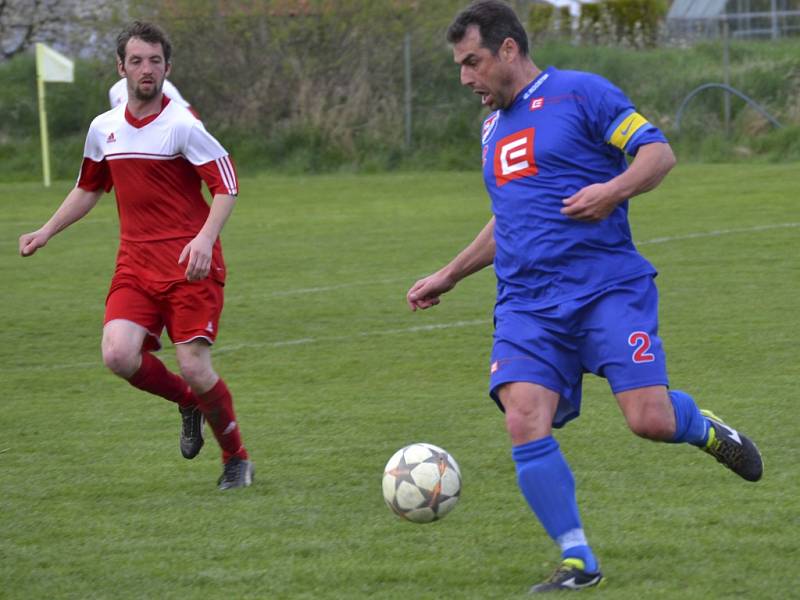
(592, 203)
(31, 242)
(197, 256)
(425, 292)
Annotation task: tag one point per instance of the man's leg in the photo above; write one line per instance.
(216, 403)
(659, 414)
(546, 481)
(122, 353)
(623, 345)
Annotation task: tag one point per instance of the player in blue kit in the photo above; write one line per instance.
(573, 293)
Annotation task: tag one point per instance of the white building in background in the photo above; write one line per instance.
(746, 19)
(573, 5)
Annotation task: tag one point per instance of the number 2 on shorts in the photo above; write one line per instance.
(640, 340)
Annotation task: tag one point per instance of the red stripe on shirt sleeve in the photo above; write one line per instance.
(95, 176)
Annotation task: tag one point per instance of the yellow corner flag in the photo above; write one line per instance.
(50, 66)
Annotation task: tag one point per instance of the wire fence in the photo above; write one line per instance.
(741, 25)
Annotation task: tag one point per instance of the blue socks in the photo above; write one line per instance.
(690, 425)
(547, 483)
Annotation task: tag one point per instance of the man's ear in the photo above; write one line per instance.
(120, 68)
(509, 49)
(168, 69)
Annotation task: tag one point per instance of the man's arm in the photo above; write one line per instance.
(479, 254)
(197, 253)
(74, 207)
(595, 202)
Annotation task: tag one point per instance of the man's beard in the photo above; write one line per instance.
(143, 96)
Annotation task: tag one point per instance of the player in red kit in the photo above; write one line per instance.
(170, 271)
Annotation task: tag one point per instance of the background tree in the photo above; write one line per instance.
(65, 24)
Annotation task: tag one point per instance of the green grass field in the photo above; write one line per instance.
(331, 374)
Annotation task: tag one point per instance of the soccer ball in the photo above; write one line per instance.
(421, 483)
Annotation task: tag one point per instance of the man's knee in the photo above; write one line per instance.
(121, 360)
(520, 422)
(122, 347)
(529, 411)
(195, 372)
(196, 369)
(649, 415)
(656, 429)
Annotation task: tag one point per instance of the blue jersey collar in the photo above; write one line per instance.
(533, 86)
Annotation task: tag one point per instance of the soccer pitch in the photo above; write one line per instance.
(331, 373)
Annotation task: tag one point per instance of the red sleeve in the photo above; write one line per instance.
(220, 176)
(95, 176)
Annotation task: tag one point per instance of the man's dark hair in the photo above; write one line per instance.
(147, 32)
(496, 21)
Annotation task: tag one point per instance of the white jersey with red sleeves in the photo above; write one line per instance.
(156, 166)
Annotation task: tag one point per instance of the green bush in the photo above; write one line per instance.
(324, 91)
(70, 107)
(634, 23)
(540, 20)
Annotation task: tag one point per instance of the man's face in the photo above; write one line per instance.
(486, 74)
(144, 68)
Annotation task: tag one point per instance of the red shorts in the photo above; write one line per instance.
(189, 310)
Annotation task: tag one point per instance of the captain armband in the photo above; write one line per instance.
(626, 128)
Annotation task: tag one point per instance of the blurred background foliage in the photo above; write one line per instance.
(314, 86)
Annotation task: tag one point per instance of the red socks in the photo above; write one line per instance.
(155, 378)
(217, 407)
(216, 404)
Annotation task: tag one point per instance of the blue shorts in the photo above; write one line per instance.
(612, 333)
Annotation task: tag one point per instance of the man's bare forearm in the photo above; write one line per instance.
(75, 206)
(478, 255)
(649, 167)
(221, 209)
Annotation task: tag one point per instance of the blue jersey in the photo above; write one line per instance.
(564, 131)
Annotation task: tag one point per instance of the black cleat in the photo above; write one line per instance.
(733, 449)
(570, 575)
(192, 421)
(236, 473)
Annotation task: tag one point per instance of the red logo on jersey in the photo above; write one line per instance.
(111, 138)
(513, 158)
(537, 103)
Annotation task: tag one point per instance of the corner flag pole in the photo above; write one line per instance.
(43, 117)
(50, 66)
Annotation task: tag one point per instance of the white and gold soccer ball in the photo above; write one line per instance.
(421, 483)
